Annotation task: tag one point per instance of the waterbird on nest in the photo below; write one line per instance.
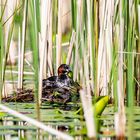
(61, 85)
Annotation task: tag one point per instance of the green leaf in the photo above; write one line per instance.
(100, 105)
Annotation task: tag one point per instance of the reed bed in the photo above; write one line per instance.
(103, 50)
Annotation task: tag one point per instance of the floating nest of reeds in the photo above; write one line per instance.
(28, 95)
(21, 95)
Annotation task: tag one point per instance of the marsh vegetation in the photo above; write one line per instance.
(99, 39)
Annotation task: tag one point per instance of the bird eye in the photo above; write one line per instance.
(66, 67)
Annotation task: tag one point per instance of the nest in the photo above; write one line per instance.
(28, 95)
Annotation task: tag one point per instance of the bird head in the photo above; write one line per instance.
(64, 69)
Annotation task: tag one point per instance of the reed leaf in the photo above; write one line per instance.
(1, 59)
(34, 46)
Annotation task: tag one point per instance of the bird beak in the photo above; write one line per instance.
(68, 70)
(70, 74)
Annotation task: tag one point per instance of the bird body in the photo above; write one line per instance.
(63, 83)
(49, 84)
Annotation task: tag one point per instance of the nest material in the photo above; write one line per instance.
(27, 95)
(20, 96)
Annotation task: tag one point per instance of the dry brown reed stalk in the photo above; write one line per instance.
(105, 45)
(43, 43)
(89, 40)
(43, 38)
(88, 113)
(59, 37)
(120, 118)
(86, 74)
(101, 42)
(42, 55)
(86, 97)
(19, 58)
(120, 62)
(109, 42)
(69, 56)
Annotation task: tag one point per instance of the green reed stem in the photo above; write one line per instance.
(1, 59)
(34, 47)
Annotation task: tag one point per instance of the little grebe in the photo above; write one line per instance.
(63, 83)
